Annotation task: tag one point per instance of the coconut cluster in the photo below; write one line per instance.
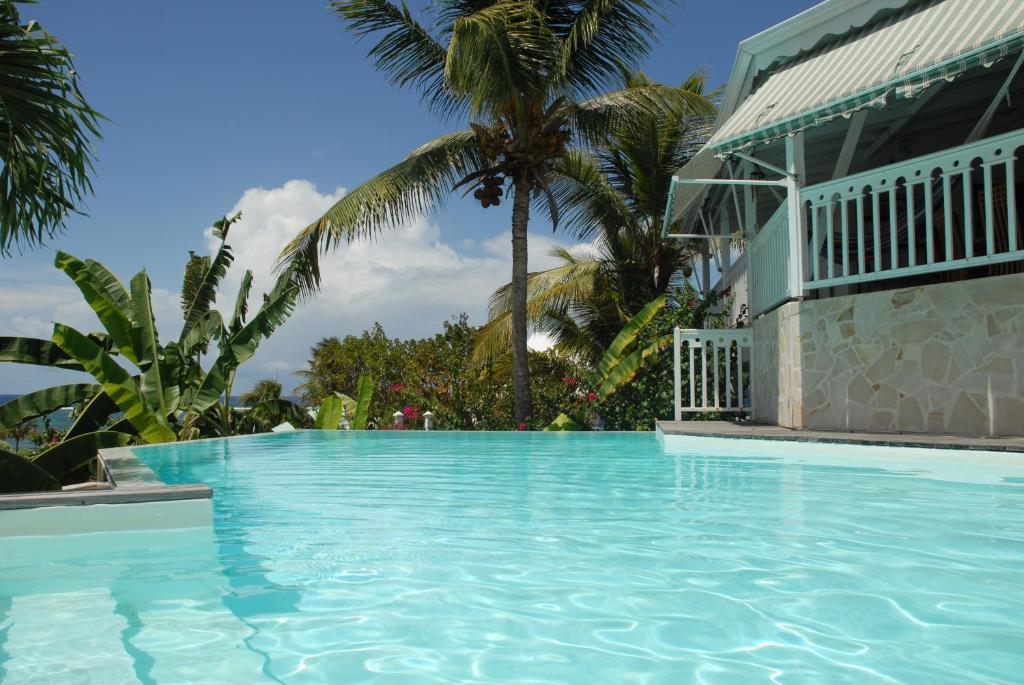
(506, 153)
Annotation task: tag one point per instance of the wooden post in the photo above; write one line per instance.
(796, 169)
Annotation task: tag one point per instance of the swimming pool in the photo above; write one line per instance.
(536, 558)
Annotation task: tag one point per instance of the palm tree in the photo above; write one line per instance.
(613, 196)
(45, 130)
(530, 77)
(266, 389)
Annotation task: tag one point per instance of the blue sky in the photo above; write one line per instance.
(272, 108)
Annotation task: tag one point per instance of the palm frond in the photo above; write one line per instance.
(405, 52)
(605, 36)
(46, 132)
(411, 188)
(589, 202)
(553, 290)
(499, 55)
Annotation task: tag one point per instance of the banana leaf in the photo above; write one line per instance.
(241, 304)
(328, 417)
(564, 422)
(613, 356)
(209, 326)
(111, 284)
(116, 382)
(69, 455)
(628, 368)
(123, 426)
(18, 474)
(41, 402)
(115, 320)
(146, 345)
(363, 397)
(210, 390)
(206, 292)
(93, 415)
(36, 351)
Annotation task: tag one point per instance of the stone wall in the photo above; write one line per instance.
(944, 358)
(775, 365)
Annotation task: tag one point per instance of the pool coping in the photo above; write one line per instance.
(759, 431)
(125, 479)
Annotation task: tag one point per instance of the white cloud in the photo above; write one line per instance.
(409, 279)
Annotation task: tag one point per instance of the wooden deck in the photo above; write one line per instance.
(754, 431)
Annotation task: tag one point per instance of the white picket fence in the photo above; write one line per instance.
(717, 370)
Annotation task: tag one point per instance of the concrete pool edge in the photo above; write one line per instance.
(728, 430)
(130, 496)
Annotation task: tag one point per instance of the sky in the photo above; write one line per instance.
(271, 108)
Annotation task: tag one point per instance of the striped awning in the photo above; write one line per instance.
(685, 198)
(899, 56)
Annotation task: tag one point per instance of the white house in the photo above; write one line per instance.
(861, 194)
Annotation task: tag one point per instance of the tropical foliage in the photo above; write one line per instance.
(165, 393)
(613, 196)
(438, 374)
(46, 129)
(530, 78)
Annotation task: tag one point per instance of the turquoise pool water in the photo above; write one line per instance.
(536, 558)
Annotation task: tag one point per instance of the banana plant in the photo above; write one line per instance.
(168, 394)
(621, 362)
(339, 405)
(623, 359)
(330, 413)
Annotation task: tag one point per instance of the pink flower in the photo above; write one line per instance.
(592, 396)
(412, 413)
(522, 425)
(568, 380)
(396, 387)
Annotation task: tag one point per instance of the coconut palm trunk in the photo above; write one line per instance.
(520, 356)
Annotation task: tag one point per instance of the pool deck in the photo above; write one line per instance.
(756, 431)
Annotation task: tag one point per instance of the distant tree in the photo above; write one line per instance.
(266, 389)
(19, 433)
(46, 127)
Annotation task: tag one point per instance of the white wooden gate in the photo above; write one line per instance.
(717, 370)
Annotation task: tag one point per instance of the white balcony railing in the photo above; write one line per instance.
(949, 210)
(717, 370)
(769, 263)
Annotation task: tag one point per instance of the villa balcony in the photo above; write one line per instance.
(945, 213)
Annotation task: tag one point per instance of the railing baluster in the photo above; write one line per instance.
(844, 221)
(1011, 204)
(860, 233)
(815, 252)
(693, 375)
(894, 247)
(968, 214)
(990, 213)
(704, 372)
(876, 225)
(714, 348)
(739, 377)
(947, 211)
(929, 223)
(911, 227)
(728, 374)
(830, 237)
(677, 373)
